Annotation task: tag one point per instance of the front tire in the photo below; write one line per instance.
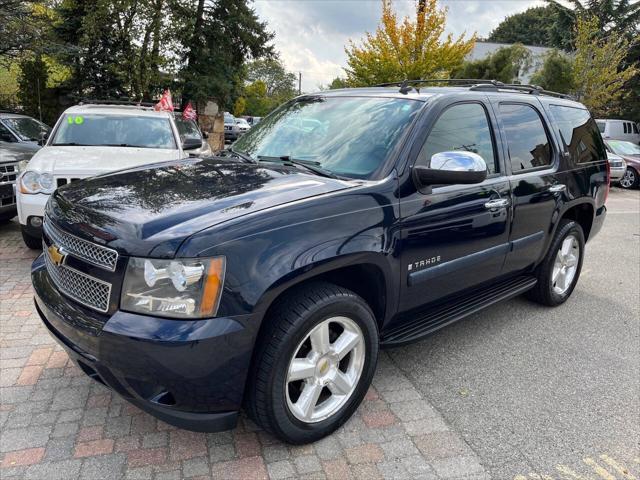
(559, 272)
(314, 363)
(34, 243)
(630, 179)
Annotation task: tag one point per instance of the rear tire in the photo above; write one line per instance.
(559, 272)
(34, 243)
(300, 388)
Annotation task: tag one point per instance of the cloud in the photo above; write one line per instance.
(311, 34)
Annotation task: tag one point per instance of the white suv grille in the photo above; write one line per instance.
(95, 254)
(82, 288)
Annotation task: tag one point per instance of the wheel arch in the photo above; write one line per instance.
(582, 213)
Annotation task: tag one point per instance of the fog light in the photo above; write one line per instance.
(36, 222)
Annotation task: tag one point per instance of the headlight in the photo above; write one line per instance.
(182, 288)
(35, 182)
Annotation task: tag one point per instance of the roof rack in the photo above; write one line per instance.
(476, 84)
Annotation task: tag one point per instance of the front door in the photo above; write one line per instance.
(455, 236)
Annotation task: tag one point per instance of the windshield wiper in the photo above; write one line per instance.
(241, 155)
(72, 144)
(122, 145)
(310, 165)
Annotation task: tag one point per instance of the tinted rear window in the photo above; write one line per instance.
(529, 146)
(579, 133)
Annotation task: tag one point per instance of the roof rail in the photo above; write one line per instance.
(131, 103)
(477, 84)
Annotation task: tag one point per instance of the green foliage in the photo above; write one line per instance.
(271, 85)
(556, 73)
(337, 83)
(224, 36)
(531, 27)
(406, 49)
(32, 85)
(504, 65)
(257, 102)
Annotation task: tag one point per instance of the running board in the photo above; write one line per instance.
(442, 315)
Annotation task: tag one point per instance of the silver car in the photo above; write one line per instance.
(617, 166)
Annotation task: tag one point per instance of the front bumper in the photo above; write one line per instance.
(31, 206)
(187, 373)
(617, 173)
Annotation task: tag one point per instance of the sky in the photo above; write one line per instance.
(311, 34)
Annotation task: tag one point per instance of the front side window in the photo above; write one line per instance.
(348, 136)
(578, 133)
(188, 129)
(6, 135)
(461, 127)
(527, 140)
(104, 130)
(28, 129)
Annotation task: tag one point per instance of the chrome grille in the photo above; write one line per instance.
(95, 254)
(8, 173)
(82, 288)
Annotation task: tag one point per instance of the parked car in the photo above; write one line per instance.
(617, 167)
(271, 278)
(630, 152)
(234, 128)
(12, 156)
(619, 130)
(89, 140)
(18, 128)
(252, 121)
(190, 129)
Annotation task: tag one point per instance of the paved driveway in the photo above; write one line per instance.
(516, 392)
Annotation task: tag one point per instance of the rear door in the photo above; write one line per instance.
(454, 236)
(533, 160)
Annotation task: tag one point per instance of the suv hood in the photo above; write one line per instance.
(150, 211)
(87, 161)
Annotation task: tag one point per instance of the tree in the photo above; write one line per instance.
(599, 72)
(407, 49)
(337, 83)
(280, 84)
(556, 73)
(531, 27)
(505, 65)
(35, 97)
(257, 103)
(220, 38)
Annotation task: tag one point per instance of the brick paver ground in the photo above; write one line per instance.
(55, 423)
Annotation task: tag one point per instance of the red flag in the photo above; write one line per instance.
(165, 103)
(189, 113)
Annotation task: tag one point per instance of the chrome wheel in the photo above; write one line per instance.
(629, 178)
(565, 265)
(325, 369)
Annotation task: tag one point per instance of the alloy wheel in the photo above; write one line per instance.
(325, 369)
(629, 178)
(565, 265)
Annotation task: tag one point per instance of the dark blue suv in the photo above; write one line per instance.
(269, 275)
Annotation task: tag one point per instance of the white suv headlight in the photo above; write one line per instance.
(36, 182)
(181, 288)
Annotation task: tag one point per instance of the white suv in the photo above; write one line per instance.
(97, 138)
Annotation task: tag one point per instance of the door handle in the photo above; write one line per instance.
(557, 188)
(497, 203)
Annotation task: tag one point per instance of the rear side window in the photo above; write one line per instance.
(626, 128)
(579, 133)
(601, 126)
(461, 127)
(527, 140)
(635, 128)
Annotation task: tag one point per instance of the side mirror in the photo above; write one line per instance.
(44, 136)
(191, 143)
(205, 135)
(451, 168)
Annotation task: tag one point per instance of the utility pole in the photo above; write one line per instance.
(299, 83)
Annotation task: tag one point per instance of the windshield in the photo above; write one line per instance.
(624, 148)
(349, 136)
(26, 128)
(228, 118)
(114, 130)
(188, 129)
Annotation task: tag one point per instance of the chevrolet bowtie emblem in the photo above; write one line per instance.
(55, 254)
